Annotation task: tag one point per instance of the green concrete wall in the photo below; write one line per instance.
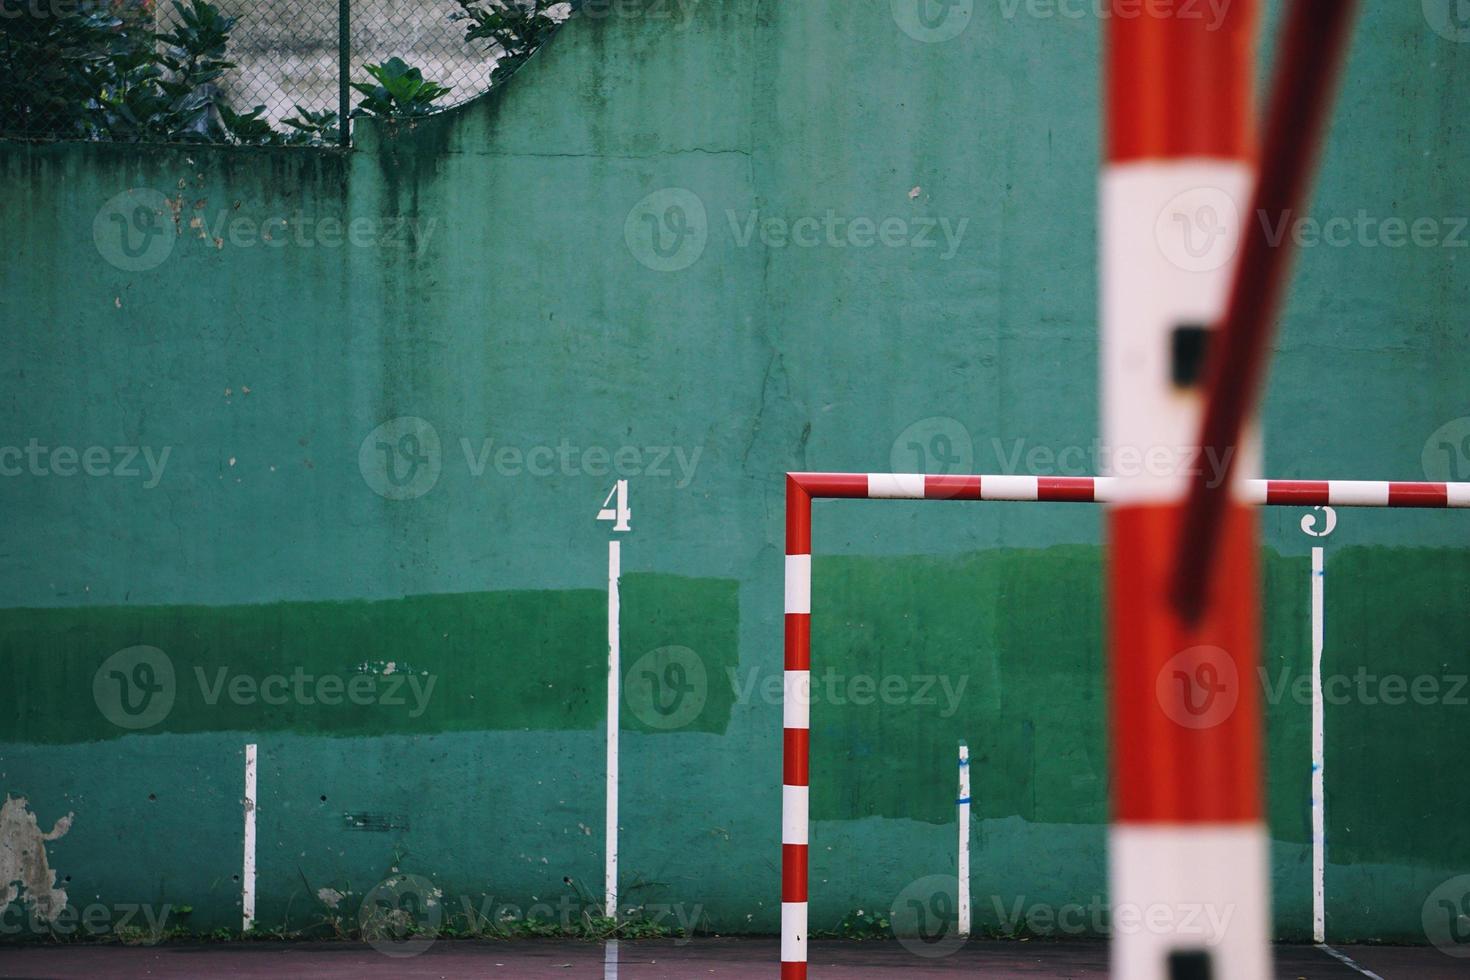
(493, 273)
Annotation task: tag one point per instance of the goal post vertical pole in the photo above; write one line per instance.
(796, 731)
(1188, 849)
(1187, 817)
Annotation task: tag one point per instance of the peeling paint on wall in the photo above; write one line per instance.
(25, 873)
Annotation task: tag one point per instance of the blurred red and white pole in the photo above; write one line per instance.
(1188, 848)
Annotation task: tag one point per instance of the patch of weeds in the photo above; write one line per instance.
(858, 925)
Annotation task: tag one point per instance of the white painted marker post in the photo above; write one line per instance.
(615, 509)
(247, 875)
(962, 805)
(1312, 527)
(614, 695)
(1319, 802)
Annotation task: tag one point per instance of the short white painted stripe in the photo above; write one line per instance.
(1348, 961)
(793, 932)
(1255, 491)
(1008, 488)
(247, 875)
(614, 699)
(610, 960)
(1357, 493)
(798, 583)
(896, 486)
(1104, 488)
(794, 801)
(1319, 802)
(797, 699)
(1458, 494)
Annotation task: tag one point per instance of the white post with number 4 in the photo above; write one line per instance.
(616, 510)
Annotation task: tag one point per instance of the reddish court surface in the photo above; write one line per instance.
(719, 958)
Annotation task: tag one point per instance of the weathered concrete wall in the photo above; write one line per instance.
(695, 246)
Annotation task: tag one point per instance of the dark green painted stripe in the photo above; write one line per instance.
(436, 663)
(680, 644)
(1003, 648)
(1397, 690)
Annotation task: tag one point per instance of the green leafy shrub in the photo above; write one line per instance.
(51, 68)
(166, 87)
(513, 29)
(400, 92)
(98, 69)
(313, 128)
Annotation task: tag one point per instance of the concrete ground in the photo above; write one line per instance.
(661, 960)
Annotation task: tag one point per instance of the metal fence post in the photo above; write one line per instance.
(344, 69)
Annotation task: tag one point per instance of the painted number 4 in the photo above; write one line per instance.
(615, 507)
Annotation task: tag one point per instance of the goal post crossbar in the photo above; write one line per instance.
(1101, 489)
(803, 488)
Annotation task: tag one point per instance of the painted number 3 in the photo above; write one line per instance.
(1329, 522)
(615, 507)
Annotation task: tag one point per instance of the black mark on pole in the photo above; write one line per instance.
(1191, 344)
(1191, 964)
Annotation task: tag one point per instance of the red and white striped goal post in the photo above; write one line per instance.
(803, 488)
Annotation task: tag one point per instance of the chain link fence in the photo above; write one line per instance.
(244, 71)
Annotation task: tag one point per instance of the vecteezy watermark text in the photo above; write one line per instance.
(679, 12)
(1123, 461)
(568, 459)
(837, 688)
(405, 914)
(1211, 12)
(925, 917)
(669, 230)
(1200, 229)
(40, 460)
(831, 230)
(46, 9)
(137, 230)
(96, 920)
(1446, 917)
(1450, 19)
(943, 445)
(934, 21)
(137, 688)
(1446, 454)
(1098, 918)
(1200, 688)
(1368, 688)
(403, 458)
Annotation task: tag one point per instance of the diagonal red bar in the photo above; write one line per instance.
(1317, 34)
